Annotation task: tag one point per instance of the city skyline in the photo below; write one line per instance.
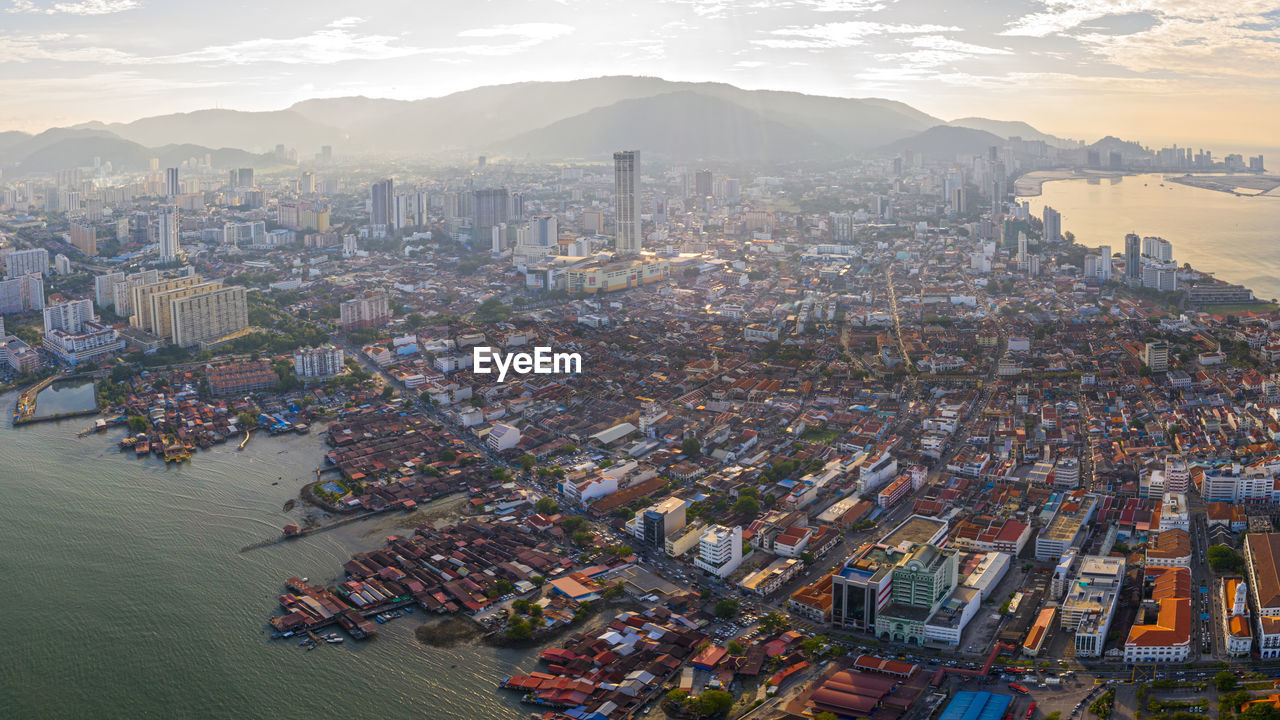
(1158, 71)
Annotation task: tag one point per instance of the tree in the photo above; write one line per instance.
(448, 455)
(546, 505)
(573, 523)
(713, 702)
(504, 586)
(735, 648)
(691, 447)
(812, 645)
(413, 321)
(1225, 560)
(538, 580)
(520, 629)
(527, 462)
(726, 608)
(746, 505)
(772, 623)
(825, 716)
(1261, 711)
(1225, 680)
(582, 539)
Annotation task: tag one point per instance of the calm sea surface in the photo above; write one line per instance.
(125, 594)
(1235, 238)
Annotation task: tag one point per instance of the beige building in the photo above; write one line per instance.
(162, 305)
(208, 316)
(140, 298)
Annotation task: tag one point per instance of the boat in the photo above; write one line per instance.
(142, 447)
(333, 638)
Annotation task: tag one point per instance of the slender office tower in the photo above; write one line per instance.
(626, 174)
(168, 226)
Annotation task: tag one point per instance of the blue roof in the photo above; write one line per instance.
(968, 705)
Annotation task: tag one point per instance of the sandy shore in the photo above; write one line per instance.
(1030, 185)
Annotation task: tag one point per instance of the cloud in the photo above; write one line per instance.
(336, 42)
(863, 6)
(350, 21)
(841, 34)
(939, 42)
(1190, 38)
(55, 46)
(84, 7)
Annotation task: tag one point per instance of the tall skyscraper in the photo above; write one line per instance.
(543, 230)
(702, 184)
(488, 210)
(383, 208)
(1104, 267)
(626, 177)
(307, 184)
(1052, 225)
(1132, 257)
(241, 178)
(170, 245)
(171, 188)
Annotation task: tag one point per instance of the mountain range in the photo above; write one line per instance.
(580, 119)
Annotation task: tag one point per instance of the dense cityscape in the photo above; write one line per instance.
(861, 439)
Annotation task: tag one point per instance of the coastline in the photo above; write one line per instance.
(1032, 184)
(1196, 239)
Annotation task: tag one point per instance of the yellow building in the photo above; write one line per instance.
(140, 297)
(613, 276)
(162, 305)
(209, 316)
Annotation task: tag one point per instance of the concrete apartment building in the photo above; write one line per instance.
(209, 316)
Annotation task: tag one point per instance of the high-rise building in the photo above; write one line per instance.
(22, 294)
(104, 288)
(25, 262)
(1052, 225)
(123, 295)
(660, 520)
(1133, 257)
(1156, 355)
(69, 316)
(488, 210)
(170, 245)
(318, 362)
(18, 263)
(626, 177)
(364, 312)
(702, 184)
(307, 184)
(244, 234)
(84, 238)
(208, 316)
(543, 231)
(241, 178)
(162, 305)
(382, 206)
(720, 550)
(1104, 266)
(171, 187)
(140, 295)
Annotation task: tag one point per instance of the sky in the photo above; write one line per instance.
(1187, 71)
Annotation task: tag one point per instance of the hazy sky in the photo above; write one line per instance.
(1155, 70)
